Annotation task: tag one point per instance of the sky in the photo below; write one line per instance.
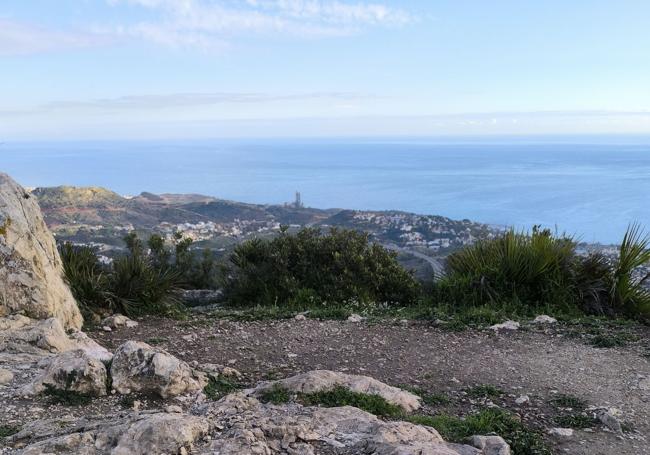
(156, 69)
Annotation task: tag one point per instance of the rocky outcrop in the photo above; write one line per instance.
(322, 380)
(130, 434)
(138, 367)
(237, 424)
(22, 335)
(31, 273)
(72, 371)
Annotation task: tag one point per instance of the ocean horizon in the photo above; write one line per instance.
(589, 187)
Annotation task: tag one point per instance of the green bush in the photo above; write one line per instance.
(528, 272)
(311, 268)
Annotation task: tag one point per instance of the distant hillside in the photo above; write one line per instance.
(100, 216)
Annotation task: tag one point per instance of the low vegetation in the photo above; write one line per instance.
(522, 440)
(333, 274)
(220, 386)
(144, 280)
(66, 397)
(311, 268)
(542, 272)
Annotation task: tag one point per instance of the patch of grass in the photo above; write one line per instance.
(577, 420)
(219, 387)
(275, 395)
(8, 430)
(156, 340)
(568, 401)
(341, 396)
(522, 440)
(67, 397)
(484, 391)
(127, 401)
(274, 312)
(431, 399)
(612, 340)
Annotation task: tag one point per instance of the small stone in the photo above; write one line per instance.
(355, 318)
(544, 319)
(491, 445)
(107, 329)
(522, 400)
(300, 317)
(173, 409)
(136, 405)
(508, 325)
(6, 376)
(561, 433)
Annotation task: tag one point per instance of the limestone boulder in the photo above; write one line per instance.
(31, 272)
(20, 334)
(323, 380)
(130, 434)
(138, 367)
(118, 320)
(73, 371)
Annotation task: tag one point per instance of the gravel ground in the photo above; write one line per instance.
(541, 363)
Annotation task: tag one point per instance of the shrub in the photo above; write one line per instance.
(87, 278)
(533, 270)
(524, 273)
(340, 267)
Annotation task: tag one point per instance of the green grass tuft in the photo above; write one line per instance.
(341, 396)
(576, 420)
(275, 395)
(522, 440)
(67, 397)
(220, 386)
(484, 391)
(568, 401)
(8, 430)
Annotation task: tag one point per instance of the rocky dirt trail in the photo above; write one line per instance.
(540, 363)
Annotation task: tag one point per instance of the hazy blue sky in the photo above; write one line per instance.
(77, 69)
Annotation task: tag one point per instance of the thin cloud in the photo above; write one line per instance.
(183, 100)
(18, 38)
(209, 24)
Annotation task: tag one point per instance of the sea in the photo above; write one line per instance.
(589, 187)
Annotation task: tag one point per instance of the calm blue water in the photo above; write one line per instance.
(593, 190)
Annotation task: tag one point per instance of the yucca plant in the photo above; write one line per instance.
(532, 269)
(86, 277)
(139, 288)
(628, 295)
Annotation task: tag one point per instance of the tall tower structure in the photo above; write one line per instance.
(298, 203)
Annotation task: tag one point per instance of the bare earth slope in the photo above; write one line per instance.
(534, 363)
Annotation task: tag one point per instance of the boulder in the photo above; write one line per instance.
(544, 319)
(322, 380)
(6, 376)
(31, 272)
(491, 445)
(133, 434)
(73, 371)
(138, 367)
(508, 325)
(118, 320)
(20, 334)
(248, 426)
(561, 433)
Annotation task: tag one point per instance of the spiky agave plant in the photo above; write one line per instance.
(628, 295)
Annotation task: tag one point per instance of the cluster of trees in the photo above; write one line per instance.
(525, 271)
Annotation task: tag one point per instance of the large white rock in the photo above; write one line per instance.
(322, 380)
(73, 371)
(31, 273)
(138, 367)
(134, 434)
(491, 445)
(20, 334)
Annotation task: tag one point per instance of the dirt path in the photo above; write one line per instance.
(539, 365)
